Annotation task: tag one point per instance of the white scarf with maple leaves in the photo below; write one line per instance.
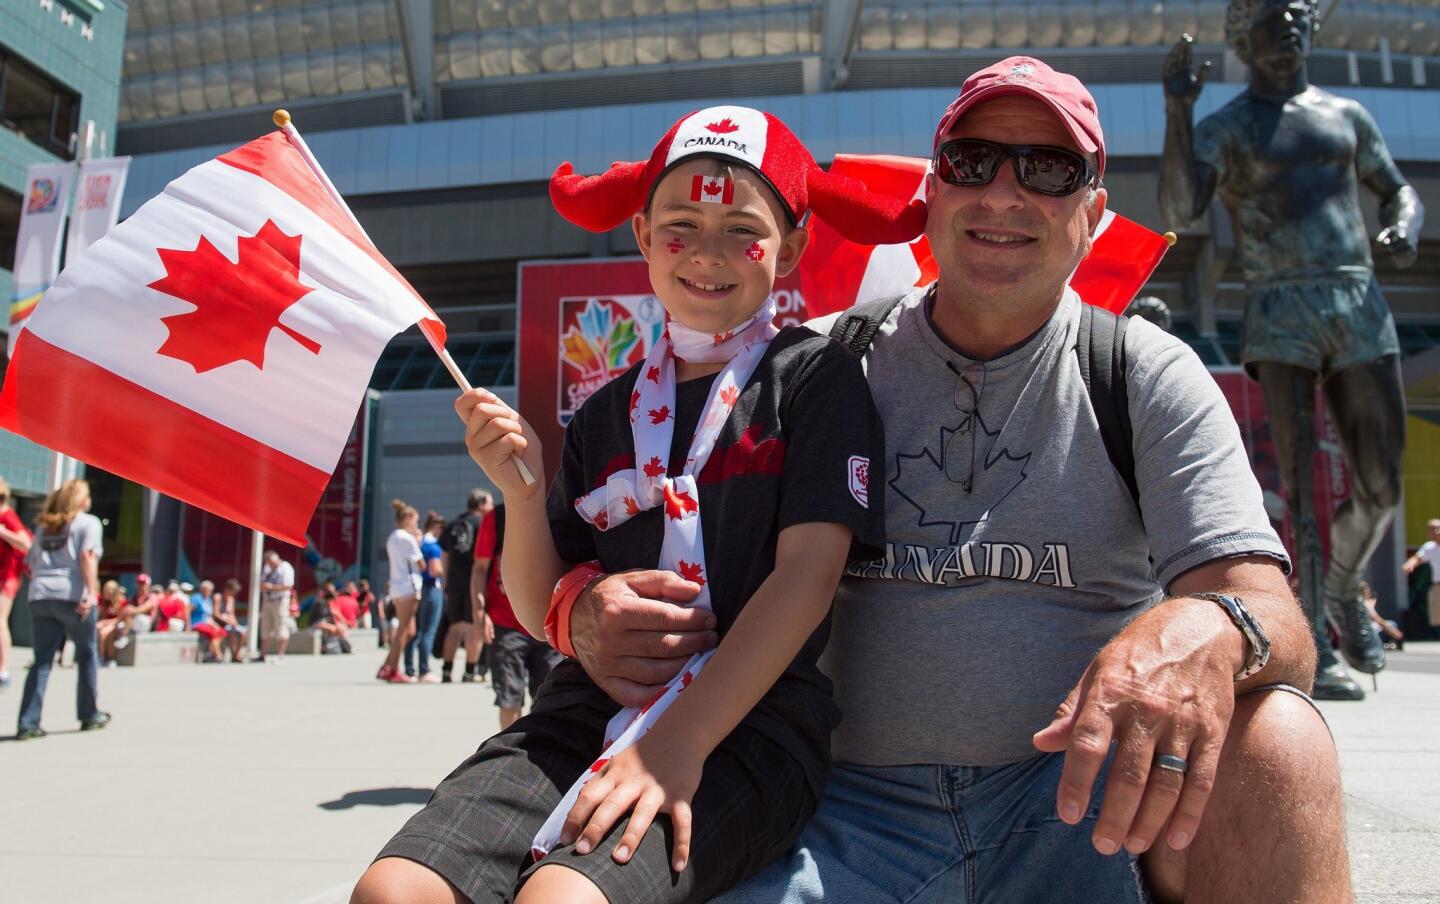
(629, 492)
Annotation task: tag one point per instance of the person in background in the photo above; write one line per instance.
(328, 621)
(277, 590)
(1392, 636)
(432, 599)
(64, 565)
(226, 617)
(403, 550)
(345, 607)
(202, 603)
(1429, 554)
(14, 544)
(370, 605)
(458, 541)
(111, 620)
(136, 617)
(171, 609)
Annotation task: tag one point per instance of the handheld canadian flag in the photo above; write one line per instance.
(836, 273)
(216, 345)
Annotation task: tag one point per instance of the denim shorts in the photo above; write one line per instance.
(947, 835)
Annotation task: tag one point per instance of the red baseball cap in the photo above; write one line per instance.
(1063, 93)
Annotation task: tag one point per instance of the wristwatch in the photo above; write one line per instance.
(1254, 634)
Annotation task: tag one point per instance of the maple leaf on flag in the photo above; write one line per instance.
(686, 678)
(634, 400)
(653, 375)
(236, 305)
(729, 395)
(723, 127)
(654, 468)
(678, 505)
(599, 764)
(631, 506)
(712, 188)
(659, 415)
(723, 337)
(693, 572)
(602, 520)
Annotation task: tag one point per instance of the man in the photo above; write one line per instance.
(517, 660)
(1429, 554)
(1019, 568)
(458, 543)
(277, 586)
(1287, 159)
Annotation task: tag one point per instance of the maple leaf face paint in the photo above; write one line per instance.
(755, 252)
(675, 245)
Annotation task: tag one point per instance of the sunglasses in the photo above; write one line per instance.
(1040, 168)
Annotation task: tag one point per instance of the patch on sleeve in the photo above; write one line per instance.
(860, 480)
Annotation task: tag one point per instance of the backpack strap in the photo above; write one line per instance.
(856, 328)
(1101, 351)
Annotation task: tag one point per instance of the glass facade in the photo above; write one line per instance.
(37, 106)
(199, 56)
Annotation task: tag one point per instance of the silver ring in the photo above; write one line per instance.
(1172, 763)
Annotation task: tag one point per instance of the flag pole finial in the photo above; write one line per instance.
(1170, 237)
(281, 118)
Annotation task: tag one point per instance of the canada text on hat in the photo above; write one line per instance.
(759, 141)
(1061, 92)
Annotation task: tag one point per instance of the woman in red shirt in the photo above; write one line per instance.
(172, 609)
(14, 543)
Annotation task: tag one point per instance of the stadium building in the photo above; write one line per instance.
(441, 120)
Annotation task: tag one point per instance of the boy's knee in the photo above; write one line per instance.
(393, 880)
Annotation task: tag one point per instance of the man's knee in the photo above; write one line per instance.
(1279, 758)
(395, 880)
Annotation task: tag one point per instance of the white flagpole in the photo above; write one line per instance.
(252, 622)
(281, 119)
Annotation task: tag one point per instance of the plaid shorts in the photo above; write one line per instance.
(751, 805)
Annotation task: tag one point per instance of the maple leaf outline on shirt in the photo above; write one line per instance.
(237, 304)
(1002, 469)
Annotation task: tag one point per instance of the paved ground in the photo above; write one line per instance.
(223, 783)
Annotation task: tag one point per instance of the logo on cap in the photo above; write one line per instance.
(723, 127)
(1022, 70)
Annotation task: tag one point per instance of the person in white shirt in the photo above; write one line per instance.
(1429, 554)
(277, 587)
(403, 549)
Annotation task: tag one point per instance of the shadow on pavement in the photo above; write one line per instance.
(377, 797)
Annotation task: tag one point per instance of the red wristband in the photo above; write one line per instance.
(562, 600)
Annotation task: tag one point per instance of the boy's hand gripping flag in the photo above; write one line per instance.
(836, 274)
(216, 345)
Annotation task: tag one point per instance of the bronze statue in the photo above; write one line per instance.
(1286, 159)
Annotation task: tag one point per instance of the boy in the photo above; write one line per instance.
(715, 212)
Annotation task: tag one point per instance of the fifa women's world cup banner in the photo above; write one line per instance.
(583, 323)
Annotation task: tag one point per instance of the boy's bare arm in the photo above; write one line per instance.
(765, 638)
(532, 566)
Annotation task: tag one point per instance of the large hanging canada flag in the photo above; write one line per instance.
(837, 273)
(216, 345)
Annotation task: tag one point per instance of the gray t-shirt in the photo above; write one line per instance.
(1015, 550)
(56, 572)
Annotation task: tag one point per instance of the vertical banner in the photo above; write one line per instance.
(584, 323)
(98, 190)
(37, 248)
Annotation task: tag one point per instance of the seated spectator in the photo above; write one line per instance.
(202, 602)
(370, 606)
(227, 617)
(1389, 630)
(329, 622)
(171, 609)
(111, 623)
(137, 617)
(346, 607)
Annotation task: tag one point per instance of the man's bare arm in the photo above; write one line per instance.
(1165, 685)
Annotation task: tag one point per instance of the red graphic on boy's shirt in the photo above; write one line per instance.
(747, 455)
(654, 468)
(676, 246)
(678, 505)
(659, 415)
(695, 573)
(755, 252)
(723, 127)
